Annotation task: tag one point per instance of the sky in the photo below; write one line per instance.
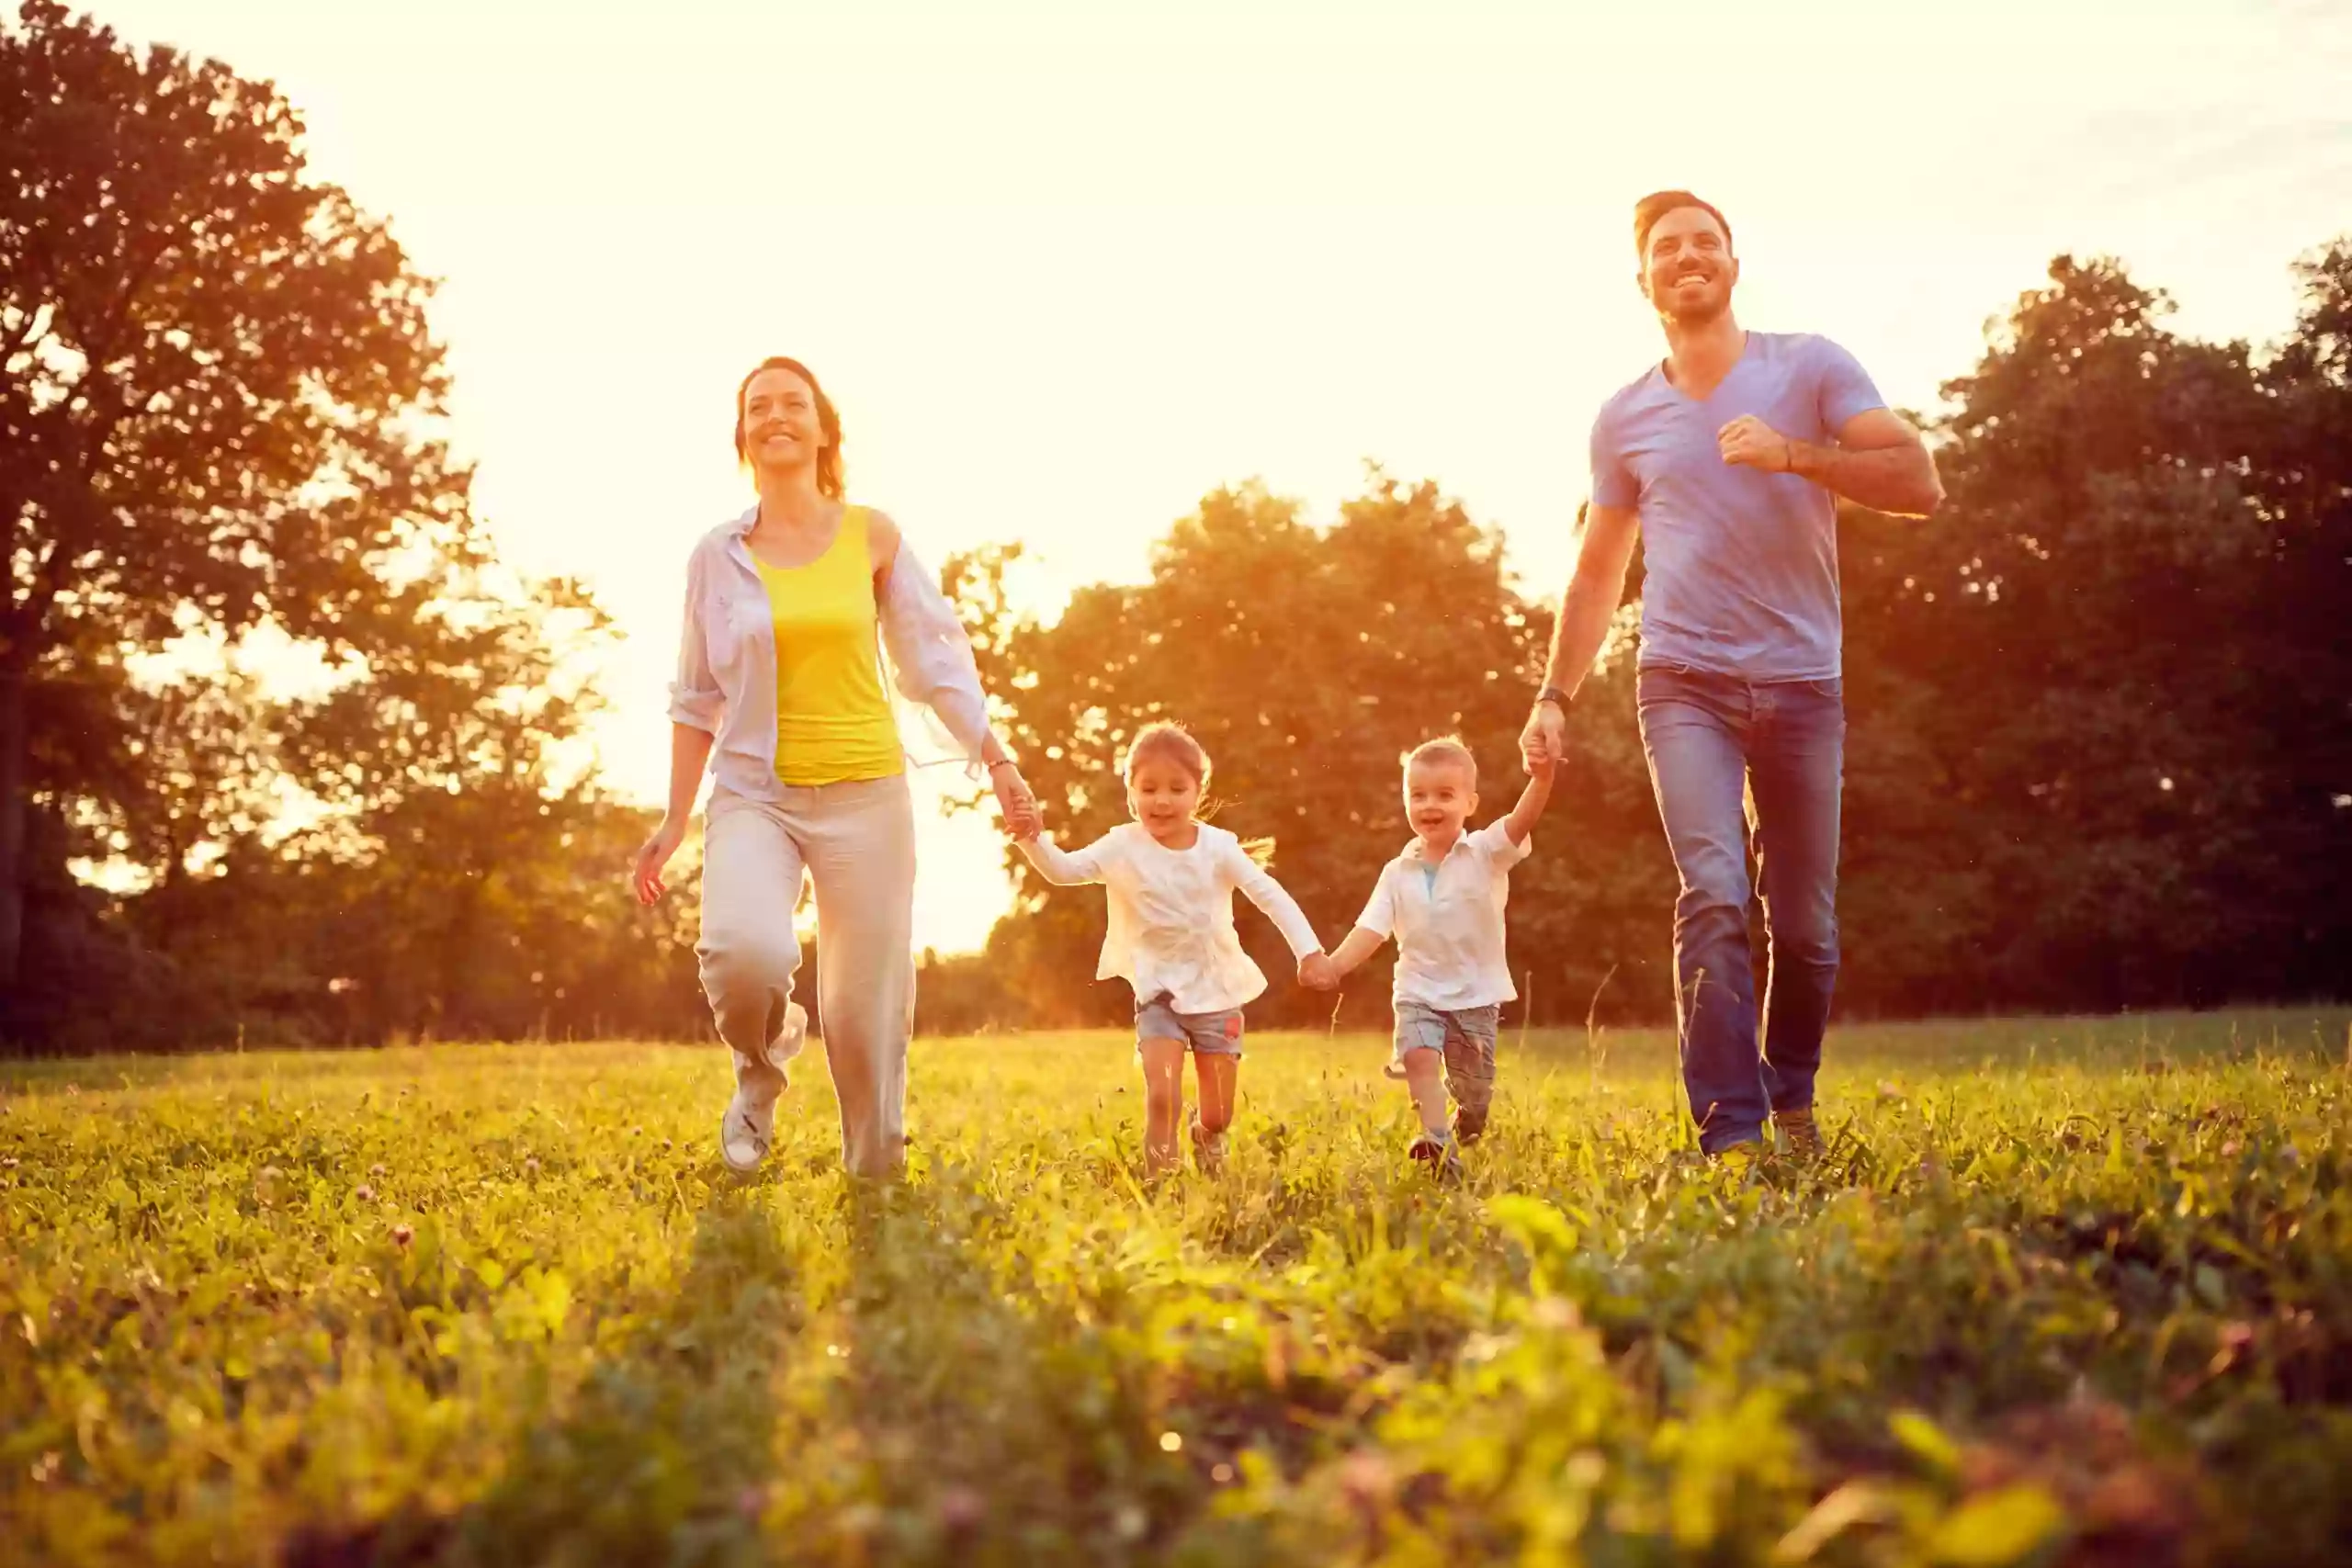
(1066, 268)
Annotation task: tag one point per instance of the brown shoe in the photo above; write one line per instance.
(1799, 1133)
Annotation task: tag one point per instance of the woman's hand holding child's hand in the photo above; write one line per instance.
(1015, 803)
(1318, 972)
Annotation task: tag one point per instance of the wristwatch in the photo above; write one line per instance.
(1552, 695)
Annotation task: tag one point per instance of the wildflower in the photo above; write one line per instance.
(961, 1510)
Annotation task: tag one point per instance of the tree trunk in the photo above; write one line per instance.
(13, 745)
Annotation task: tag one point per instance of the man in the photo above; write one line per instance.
(1730, 456)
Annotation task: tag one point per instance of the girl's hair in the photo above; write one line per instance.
(1168, 743)
(1165, 742)
(828, 421)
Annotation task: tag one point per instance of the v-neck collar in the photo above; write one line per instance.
(1747, 343)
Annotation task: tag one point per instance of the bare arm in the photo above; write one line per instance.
(1596, 583)
(1355, 948)
(689, 754)
(1532, 801)
(1880, 461)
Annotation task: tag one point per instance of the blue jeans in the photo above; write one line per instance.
(1730, 758)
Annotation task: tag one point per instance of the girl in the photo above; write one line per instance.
(780, 692)
(1171, 878)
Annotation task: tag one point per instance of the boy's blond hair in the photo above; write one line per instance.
(1445, 749)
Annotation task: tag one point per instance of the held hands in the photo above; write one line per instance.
(1748, 442)
(1544, 740)
(1318, 972)
(1015, 803)
(645, 878)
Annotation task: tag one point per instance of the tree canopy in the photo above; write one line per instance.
(2100, 752)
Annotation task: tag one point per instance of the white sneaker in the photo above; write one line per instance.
(748, 1130)
(1436, 1149)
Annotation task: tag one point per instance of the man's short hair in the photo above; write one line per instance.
(1658, 203)
(1447, 751)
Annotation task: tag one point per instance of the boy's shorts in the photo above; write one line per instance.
(1207, 1033)
(1464, 1038)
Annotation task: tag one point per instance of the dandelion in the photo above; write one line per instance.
(1555, 1313)
(380, 1170)
(1366, 1478)
(366, 1194)
(404, 1234)
(961, 1508)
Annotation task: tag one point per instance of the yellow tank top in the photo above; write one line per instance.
(833, 722)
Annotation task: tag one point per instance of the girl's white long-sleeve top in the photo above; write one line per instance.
(1171, 913)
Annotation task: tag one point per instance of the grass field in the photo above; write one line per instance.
(2065, 1292)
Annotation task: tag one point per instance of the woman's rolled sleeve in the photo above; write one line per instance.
(931, 654)
(694, 697)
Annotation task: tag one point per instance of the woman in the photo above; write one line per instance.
(781, 693)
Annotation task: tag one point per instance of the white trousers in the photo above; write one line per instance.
(856, 841)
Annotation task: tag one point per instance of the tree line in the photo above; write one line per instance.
(2099, 752)
(2102, 725)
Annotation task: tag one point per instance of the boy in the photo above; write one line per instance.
(1442, 898)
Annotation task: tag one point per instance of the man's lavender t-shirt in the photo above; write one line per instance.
(1740, 567)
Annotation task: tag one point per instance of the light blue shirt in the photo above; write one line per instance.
(1740, 567)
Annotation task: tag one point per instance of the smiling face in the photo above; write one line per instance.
(1162, 794)
(1687, 269)
(1440, 796)
(780, 426)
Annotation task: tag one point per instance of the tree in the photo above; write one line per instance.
(2100, 742)
(465, 878)
(217, 400)
(1308, 661)
(2112, 655)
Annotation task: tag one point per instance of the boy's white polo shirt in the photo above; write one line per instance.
(1448, 920)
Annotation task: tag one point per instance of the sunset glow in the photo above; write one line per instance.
(1066, 268)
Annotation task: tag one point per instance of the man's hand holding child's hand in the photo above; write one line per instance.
(1318, 972)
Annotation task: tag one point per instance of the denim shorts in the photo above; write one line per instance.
(1464, 1039)
(1210, 1033)
(1420, 1028)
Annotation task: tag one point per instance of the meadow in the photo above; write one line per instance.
(2063, 1290)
